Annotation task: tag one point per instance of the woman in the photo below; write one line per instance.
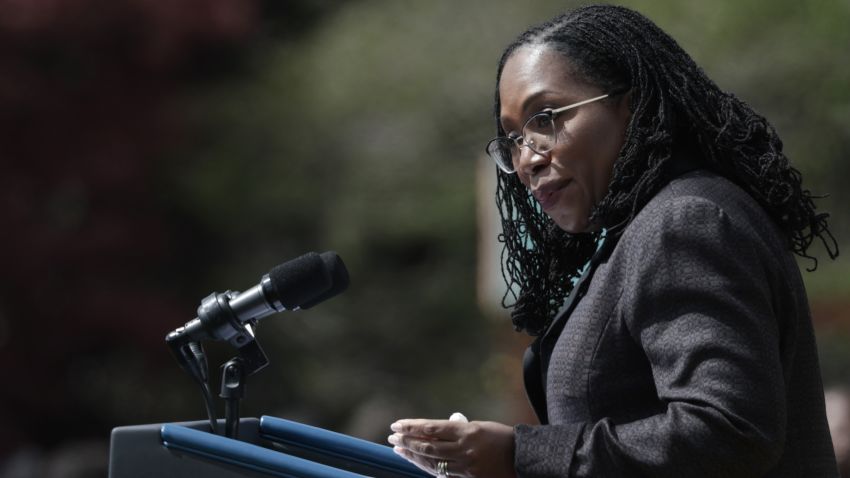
(650, 221)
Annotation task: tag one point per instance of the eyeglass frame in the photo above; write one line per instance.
(551, 113)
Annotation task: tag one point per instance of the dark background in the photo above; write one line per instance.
(153, 152)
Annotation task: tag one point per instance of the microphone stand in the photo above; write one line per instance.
(234, 380)
(232, 390)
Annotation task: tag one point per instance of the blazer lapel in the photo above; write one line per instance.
(535, 362)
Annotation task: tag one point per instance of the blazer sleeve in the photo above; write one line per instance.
(697, 301)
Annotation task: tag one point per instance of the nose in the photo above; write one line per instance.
(531, 162)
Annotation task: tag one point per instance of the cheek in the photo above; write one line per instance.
(606, 144)
(582, 152)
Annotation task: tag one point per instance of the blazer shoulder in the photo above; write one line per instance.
(705, 190)
(698, 214)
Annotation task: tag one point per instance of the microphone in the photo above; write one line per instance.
(231, 316)
(296, 284)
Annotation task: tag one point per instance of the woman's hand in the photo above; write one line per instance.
(475, 449)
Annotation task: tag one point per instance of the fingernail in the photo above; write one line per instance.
(393, 439)
(396, 427)
(398, 450)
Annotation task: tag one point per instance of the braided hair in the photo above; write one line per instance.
(675, 107)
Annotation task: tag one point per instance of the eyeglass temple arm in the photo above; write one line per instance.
(576, 105)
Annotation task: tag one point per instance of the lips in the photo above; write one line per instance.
(548, 194)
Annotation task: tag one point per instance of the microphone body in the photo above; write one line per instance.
(297, 284)
(257, 302)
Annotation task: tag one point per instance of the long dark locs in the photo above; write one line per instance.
(675, 107)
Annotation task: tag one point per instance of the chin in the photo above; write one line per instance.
(572, 225)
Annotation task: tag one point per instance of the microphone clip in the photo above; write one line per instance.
(219, 322)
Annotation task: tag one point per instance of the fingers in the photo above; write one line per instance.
(429, 448)
(441, 429)
(426, 442)
(481, 449)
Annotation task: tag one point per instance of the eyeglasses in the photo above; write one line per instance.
(538, 135)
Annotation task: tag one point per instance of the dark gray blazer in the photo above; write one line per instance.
(690, 352)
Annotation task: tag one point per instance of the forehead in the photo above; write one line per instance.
(533, 71)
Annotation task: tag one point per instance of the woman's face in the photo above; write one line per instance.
(573, 177)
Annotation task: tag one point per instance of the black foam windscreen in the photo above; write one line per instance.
(300, 280)
(339, 279)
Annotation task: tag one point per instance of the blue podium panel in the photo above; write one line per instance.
(271, 447)
(312, 443)
(246, 455)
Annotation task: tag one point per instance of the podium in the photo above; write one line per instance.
(266, 447)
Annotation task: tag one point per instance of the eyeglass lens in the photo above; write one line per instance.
(538, 134)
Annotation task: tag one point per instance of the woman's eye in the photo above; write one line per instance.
(539, 121)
